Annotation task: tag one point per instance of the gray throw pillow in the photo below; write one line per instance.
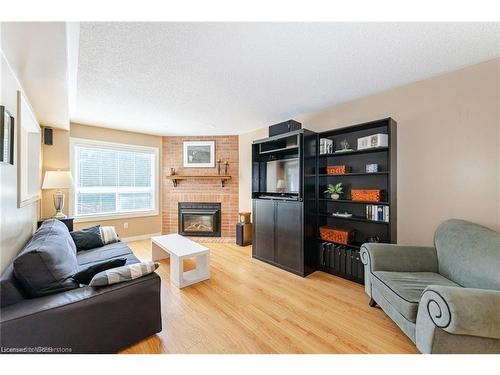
(124, 273)
(48, 261)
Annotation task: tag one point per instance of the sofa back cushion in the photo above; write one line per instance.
(48, 261)
(469, 254)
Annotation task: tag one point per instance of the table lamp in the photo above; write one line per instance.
(58, 180)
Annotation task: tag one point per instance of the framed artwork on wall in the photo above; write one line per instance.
(199, 154)
(29, 147)
(6, 136)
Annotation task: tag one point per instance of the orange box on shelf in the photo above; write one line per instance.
(337, 169)
(337, 235)
(366, 195)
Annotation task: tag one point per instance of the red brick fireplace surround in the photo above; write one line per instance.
(226, 148)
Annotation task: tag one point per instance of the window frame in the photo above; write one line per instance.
(82, 142)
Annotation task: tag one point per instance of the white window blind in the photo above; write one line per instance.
(113, 179)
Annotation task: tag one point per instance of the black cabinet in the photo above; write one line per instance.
(278, 235)
(263, 229)
(288, 235)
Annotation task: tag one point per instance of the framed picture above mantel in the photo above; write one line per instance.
(199, 154)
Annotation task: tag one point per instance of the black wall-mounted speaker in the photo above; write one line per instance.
(48, 138)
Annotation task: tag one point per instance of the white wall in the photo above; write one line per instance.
(16, 224)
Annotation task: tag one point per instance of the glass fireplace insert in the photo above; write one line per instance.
(199, 219)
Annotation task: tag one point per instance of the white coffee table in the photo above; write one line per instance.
(178, 248)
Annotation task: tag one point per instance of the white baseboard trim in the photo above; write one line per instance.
(139, 238)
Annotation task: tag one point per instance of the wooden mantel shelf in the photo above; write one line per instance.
(177, 177)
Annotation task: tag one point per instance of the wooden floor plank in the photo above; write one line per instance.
(248, 306)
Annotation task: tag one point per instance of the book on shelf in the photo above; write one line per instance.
(325, 146)
(376, 212)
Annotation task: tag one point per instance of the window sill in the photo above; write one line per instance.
(132, 215)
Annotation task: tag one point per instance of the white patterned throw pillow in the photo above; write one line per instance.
(109, 235)
(124, 273)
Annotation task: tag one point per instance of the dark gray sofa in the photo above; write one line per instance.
(445, 298)
(84, 319)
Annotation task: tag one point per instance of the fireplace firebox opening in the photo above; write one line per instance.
(199, 219)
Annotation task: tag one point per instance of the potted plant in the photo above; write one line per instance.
(334, 190)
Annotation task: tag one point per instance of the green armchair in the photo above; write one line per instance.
(446, 298)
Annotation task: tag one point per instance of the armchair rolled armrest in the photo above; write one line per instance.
(398, 258)
(390, 257)
(461, 311)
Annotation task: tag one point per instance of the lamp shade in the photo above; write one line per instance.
(57, 180)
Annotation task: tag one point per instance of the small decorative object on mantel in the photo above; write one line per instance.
(172, 171)
(342, 214)
(366, 195)
(345, 146)
(337, 169)
(373, 141)
(334, 190)
(371, 168)
(218, 166)
(226, 165)
(337, 235)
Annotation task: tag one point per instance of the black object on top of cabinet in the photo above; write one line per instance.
(284, 127)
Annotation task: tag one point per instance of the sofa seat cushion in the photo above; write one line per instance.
(404, 289)
(115, 250)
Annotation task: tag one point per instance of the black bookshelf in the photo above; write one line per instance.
(385, 179)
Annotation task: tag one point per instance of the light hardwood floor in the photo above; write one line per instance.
(248, 306)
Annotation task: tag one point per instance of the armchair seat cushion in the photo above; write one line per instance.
(403, 290)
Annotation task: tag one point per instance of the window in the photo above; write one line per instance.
(113, 179)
